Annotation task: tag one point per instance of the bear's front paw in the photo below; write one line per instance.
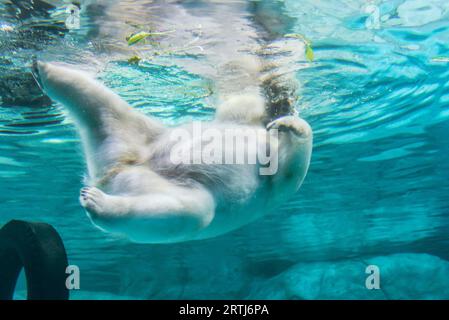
(93, 200)
(293, 124)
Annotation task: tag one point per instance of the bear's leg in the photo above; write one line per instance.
(174, 215)
(109, 127)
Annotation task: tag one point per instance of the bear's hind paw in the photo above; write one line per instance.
(93, 200)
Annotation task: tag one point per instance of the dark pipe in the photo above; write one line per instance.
(38, 248)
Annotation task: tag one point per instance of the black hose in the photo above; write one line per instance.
(38, 248)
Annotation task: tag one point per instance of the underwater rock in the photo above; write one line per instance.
(413, 276)
(184, 271)
(18, 88)
(30, 30)
(402, 276)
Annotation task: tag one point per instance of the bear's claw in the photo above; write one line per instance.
(35, 72)
(291, 123)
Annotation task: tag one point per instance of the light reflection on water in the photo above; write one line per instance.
(378, 181)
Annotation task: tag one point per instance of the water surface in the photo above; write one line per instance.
(376, 96)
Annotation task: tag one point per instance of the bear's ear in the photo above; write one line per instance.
(242, 108)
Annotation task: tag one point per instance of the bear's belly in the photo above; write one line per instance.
(231, 217)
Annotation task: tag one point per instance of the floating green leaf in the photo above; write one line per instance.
(139, 36)
(307, 42)
(309, 53)
(134, 38)
(134, 59)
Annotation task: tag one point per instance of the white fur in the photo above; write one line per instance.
(136, 190)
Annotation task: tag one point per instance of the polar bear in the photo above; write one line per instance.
(135, 189)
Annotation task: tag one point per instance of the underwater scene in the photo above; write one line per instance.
(371, 218)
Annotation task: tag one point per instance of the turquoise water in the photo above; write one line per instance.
(376, 96)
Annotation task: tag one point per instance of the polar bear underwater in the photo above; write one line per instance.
(134, 187)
